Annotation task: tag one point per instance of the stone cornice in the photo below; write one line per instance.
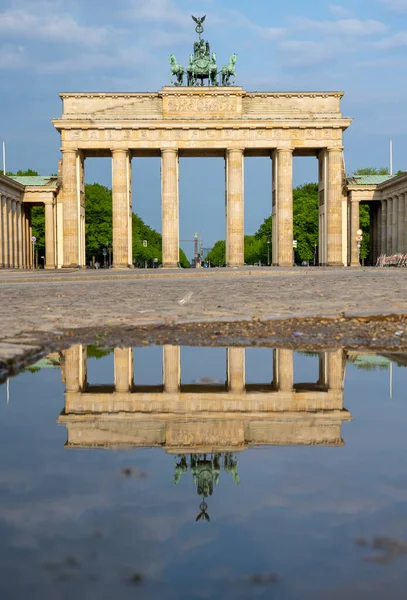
(11, 183)
(173, 124)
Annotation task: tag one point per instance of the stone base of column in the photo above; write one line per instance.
(171, 266)
(335, 264)
(355, 264)
(121, 267)
(50, 267)
(73, 266)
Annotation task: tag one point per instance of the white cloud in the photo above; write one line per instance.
(397, 40)
(13, 57)
(395, 5)
(340, 11)
(129, 57)
(301, 53)
(352, 27)
(163, 11)
(62, 28)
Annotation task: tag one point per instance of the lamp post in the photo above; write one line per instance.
(359, 238)
(268, 249)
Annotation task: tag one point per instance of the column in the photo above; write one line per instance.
(71, 173)
(235, 207)
(19, 235)
(49, 235)
(395, 224)
(283, 370)
(389, 248)
(322, 207)
(10, 243)
(75, 368)
(15, 233)
(2, 233)
(379, 230)
(323, 369)
(354, 226)
(170, 207)
(121, 207)
(283, 207)
(401, 224)
(28, 248)
(383, 248)
(123, 369)
(405, 222)
(334, 211)
(236, 369)
(172, 369)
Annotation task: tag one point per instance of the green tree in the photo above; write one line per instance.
(217, 256)
(372, 171)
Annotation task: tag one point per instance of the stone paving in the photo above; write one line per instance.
(35, 305)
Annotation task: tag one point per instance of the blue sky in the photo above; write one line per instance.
(48, 46)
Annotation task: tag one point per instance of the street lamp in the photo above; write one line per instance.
(359, 238)
(268, 249)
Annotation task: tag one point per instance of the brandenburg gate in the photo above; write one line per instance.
(219, 121)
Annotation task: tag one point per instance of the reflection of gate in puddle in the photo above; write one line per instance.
(203, 419)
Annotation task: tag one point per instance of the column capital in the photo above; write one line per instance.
(69, 151)
(169, 150)
(229, 150)
(335, 149)
(119, 151)
(288, 150)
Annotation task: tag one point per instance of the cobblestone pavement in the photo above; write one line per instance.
(46, 302)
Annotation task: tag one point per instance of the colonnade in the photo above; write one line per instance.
(15, 233)
(332, 223)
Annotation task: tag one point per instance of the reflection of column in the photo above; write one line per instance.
(235, 207)
(75, 368)
(334, 216)
(71, 206)
(283, 369)
(401, 225)
(170, 207)
(49, 235)
(236, 369)
(172, 369)
(355, 223)
(123, 369)
(121, 208)
(383, 247)
(283, 207)
(336, 369)
(323, 369)
(389, 249)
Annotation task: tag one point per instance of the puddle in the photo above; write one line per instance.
(168, 472)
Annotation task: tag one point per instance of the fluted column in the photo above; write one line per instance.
(334, 212)
(75, 368)
(405, 222)
(2, 233)
(283, 207)
(383, 249)
(389, 245)
(49, 235)
(235, 207)
(354, 226)
(401, 224)
(28, 237)
(379, 231)
(395, 224)
(123, 369)
(283, 370)
(121, 207)
(10, 234)
(170, 207)
(19, 236)
(236, 369)
(172, 369)
(71, 207)
(15, 233)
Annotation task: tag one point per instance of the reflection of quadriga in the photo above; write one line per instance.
(202, 64)
(206, 471)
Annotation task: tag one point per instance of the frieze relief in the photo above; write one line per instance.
(202, 135)
(199, 105)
